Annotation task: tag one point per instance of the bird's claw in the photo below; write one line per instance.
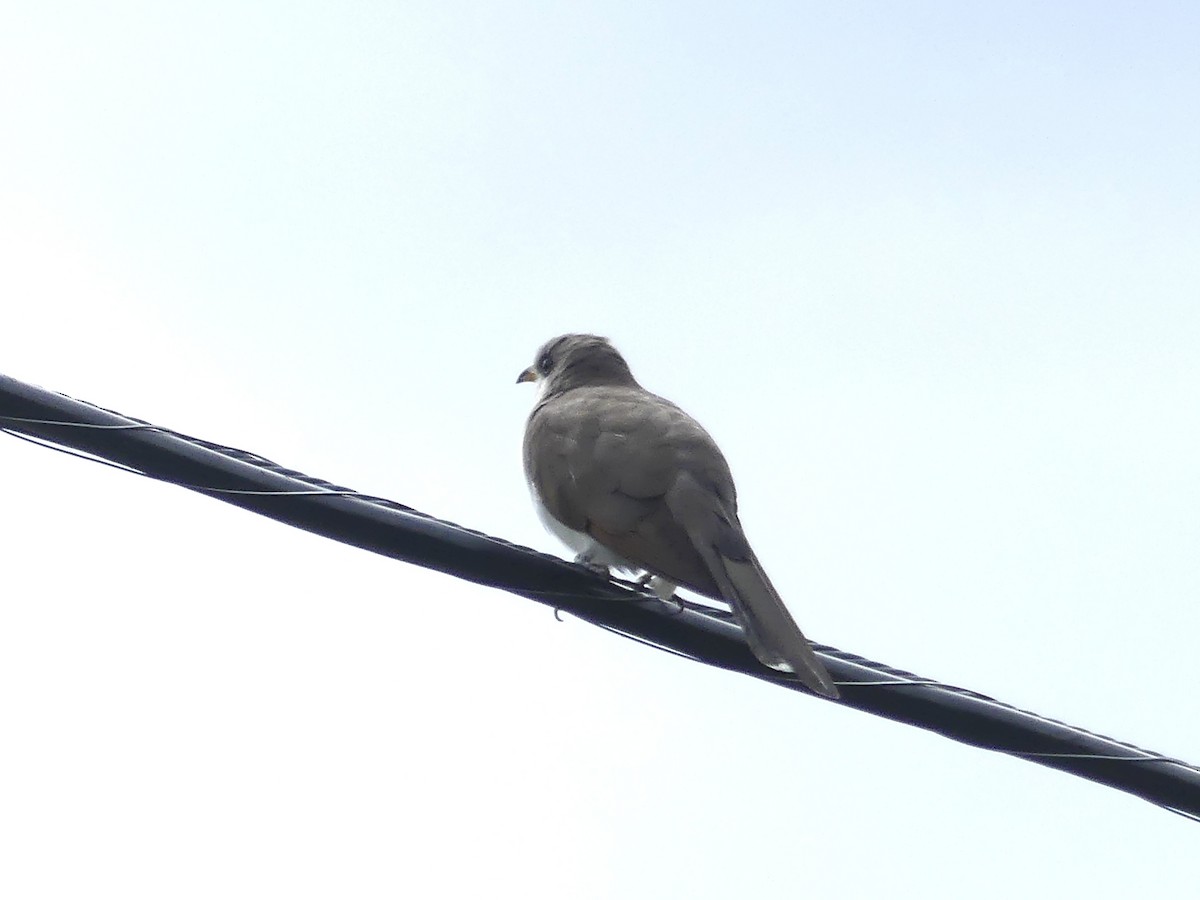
(591, 565)
(661, 588)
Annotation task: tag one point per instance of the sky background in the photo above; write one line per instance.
(929, 272)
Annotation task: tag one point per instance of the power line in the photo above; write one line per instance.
(693, 630)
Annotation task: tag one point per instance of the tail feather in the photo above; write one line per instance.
(772, 633)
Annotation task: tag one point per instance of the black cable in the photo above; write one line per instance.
(689, 629)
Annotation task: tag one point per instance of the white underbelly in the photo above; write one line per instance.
(582, 543)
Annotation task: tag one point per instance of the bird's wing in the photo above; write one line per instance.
(602, 460)
(646, 481)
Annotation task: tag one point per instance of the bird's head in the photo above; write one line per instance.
(575, 360)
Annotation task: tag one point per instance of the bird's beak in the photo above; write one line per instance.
(528, 375)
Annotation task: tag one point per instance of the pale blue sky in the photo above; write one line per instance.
(930, 273)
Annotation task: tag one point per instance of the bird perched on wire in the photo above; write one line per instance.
(629, 480)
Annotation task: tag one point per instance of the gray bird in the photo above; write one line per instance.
(629, 480)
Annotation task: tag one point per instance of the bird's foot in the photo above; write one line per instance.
(585, 559)
(661, 587)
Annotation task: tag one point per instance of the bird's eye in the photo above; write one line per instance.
(545, 363)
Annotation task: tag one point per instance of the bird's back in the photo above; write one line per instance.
(604, 460)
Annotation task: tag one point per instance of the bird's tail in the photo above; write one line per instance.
(772, 633)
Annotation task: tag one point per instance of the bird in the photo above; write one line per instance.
(630, 481)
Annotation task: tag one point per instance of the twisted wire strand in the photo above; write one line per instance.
(885, 677)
